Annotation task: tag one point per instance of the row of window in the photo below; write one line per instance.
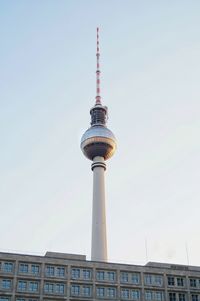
(2, 298)
(153, 280)
(106, 275)
(34, 269)
(76, 273)
(34, 285)
(31, 286)
(182, 297)
(85, 274)
(54, 288)
(153, 295)
(50, 271)
(104, 292)
(126, 277)
(181, 282)
(176, 281)
(159, 296)
(110, 292)
(130, 294)
(59, 288)
(31, 269)
(8, 267)
(127, 294)
(149, 279)
(177, 297)
(84, 291)
(26, 299)
(101, 275)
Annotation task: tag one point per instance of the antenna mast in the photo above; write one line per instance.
(98, 72)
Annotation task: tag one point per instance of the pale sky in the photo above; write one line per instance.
(150, 61)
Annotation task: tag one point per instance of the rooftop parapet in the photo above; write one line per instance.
(65, 256)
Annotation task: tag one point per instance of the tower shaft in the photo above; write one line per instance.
(99, 238)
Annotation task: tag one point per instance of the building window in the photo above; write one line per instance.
(87, 274)
(22, 285)
(193, 282)
(148, 279)
(4, 298)
(111, 292)
(50, 271)
(60, 272)
(8, 267)
(33, 286)
(148, 295)
(100, 292)
(59, 288)
(172, 296)
(75, 290)
(171, 280)
(135, 295)
(86, 291)
(124, 277)
(23, 268)
(48, 288)
(158, 296)
(181, 297)
(111, 276)
(100, 275)
(75, 273)
(158, 280)
(180, 281)
(195, 297)
(20, 299)
(125, 293)
(6, 284)
(35, 269)
(135, 278)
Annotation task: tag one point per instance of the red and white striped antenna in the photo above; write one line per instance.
(98, 72)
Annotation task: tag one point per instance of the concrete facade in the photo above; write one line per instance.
(58, 276)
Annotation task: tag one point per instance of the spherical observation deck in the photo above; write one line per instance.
(99, 141)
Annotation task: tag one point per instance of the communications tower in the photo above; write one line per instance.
(98, 144)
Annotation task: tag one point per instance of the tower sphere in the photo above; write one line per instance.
(98, 140)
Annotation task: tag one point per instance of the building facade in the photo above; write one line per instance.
(58, 276)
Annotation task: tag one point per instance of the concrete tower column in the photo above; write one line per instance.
(99, 239)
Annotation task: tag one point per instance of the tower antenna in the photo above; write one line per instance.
(187, 253)
(146, 250)
(98, 72)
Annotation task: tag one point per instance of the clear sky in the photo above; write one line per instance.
(150, 58)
